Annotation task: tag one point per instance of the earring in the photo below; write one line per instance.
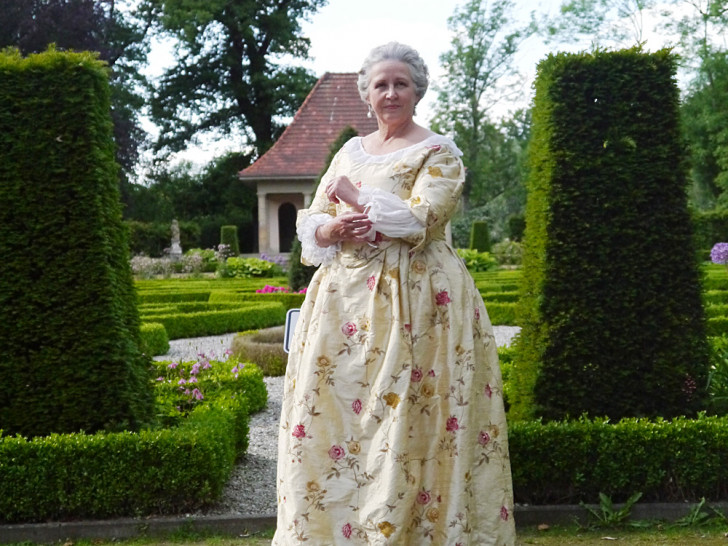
(370, 112)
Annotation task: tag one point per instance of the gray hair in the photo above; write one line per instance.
(394, 51)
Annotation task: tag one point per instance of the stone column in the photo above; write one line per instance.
(263, 231)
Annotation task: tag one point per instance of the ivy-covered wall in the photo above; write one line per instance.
(610, 307)
(69, 328)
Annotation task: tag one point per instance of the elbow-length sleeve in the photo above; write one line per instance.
(435, 193)
(317, 214)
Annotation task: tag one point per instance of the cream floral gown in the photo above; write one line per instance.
(393, 430)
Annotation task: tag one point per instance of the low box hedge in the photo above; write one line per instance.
(162, 471)
(171, 296)
(291, 300)
(501, 313)
(667, 461)
(154, 338)
(209, 323)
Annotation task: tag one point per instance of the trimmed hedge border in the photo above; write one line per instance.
(667, 461)
(154, 338)
(165, 471)
(209, 323)
(291, 300)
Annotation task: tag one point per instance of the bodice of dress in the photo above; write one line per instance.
(427, 177)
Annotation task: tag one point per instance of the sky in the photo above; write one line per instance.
(344, 31)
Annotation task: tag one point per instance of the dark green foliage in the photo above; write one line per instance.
(710, 227)
(299, 275)
(611, 311)
(479, 236)
(668, 461)
(70, 329)
(229, 237)
(154, 338)
(150, 238)
(516, 227)
(166, 471)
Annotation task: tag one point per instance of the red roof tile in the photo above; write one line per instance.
(302, 149)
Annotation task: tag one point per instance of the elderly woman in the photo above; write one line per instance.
(392, 429)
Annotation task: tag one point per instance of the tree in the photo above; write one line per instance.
(229, 75)
(117, 30)
(613, 22)
(480, 71)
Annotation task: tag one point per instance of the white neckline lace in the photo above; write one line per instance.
(357, 151)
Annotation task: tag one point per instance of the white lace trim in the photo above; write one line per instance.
(358, 153)
(311, 252)
(389, 214)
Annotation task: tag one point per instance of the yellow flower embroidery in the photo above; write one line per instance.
(434, 172)
(353, 447)
(415, 200)
(433, 514)
(331, 209)
(419, 267)
(313, 486)
(392, 399)
(428, 390)
(394, 273)
(323, 361)
(386, 528)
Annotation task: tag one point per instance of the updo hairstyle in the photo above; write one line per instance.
(394, 51)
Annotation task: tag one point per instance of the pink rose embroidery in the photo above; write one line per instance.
(408, 327)
(442, 298)
(477, 314)
(299, 431)
(488, 391)
(358, 185)
(452, 424)
(336, 452)
(504, 513)
(356, 406)
(435, 147)
(483, 438)
(349, 329)
(416, 375)
(423, 497)
(346, 530)
(371, 282)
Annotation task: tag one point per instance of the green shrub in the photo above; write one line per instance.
(508, 252)
(501, 313)
(477, 261)
(608, 327)
(249, 267)
(229, 238)
(210, 323)
(70, 325)
(479, 236)
(668, 461)
(170, 296)
(154, 338)
(516, 227)
(264, 348)
(291, 300)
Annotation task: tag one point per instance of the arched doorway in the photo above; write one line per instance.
(286, 226)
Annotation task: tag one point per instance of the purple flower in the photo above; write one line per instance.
(172, 365)
(197, 394)
(719, 253)
(181, 381)
(195, 369)
(160, 378)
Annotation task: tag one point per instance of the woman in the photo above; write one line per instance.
(392, 429)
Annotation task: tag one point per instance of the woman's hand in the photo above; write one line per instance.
(350, 226)
(342, 189)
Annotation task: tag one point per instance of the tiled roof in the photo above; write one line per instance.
(302, 149)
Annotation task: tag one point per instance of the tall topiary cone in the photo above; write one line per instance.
(610, 308)
(70, 328)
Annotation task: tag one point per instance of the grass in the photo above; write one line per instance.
(655, 535)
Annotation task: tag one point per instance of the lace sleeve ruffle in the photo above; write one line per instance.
(311, 252)
(389, 214)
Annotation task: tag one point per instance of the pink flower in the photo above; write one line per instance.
(336, 452)
(423, 497)
(435, 147)
(477, 313)
(356, 406)
(192, 379)
(488, 391)
(483, 438)
(358, 185)
(160, 378)
(346, 530)
(442, 298)
(172, 365)
(197, 394)
(416, 376)
(452, 424)
(504, 513)
(371, 282)
(181, 381)
(408, 327)
(195, 369)
(349, 329)
(299, 431)
(431, 373)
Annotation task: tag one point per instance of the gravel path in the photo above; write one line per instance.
(251, 490)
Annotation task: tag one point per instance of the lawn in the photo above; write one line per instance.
(654, 535)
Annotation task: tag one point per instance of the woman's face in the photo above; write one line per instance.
(391, 92)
